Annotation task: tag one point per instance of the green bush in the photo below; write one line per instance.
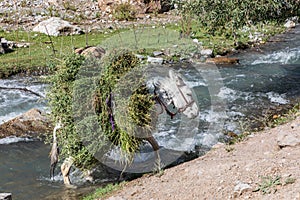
(221, 16)
(124, 11)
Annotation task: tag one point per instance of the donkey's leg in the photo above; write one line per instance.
(155, 147)
(65, 170)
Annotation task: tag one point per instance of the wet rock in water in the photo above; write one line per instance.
(5, 196)
(223, 60)
(32, 123)
(55, 26)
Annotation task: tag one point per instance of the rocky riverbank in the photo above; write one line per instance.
(263, 166)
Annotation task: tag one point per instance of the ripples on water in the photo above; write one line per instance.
(16, 102)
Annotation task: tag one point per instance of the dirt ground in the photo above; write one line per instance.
(256, 168)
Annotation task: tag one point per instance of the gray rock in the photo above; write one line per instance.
(55, 26)
(158, 53)
(4, 48)
(240, 188)
(96, 52)
(32, 123)
(206, 52)
(288, 138)
(141, 57)
(5, 196)
(155, 60)
(290, 24)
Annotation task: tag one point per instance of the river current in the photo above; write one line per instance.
(266, 78)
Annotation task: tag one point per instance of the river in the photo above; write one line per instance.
(267, 77)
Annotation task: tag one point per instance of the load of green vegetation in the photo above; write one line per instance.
(95, 119)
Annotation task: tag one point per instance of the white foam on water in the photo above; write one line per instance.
(186, 144)
(14, 139)
(16, 102)
(8, 117)
(277, 98)
(212, 116)
(234, 114)
(193, 84)
(227, 93)
(76, 176)
(208, 139)
(285, 56)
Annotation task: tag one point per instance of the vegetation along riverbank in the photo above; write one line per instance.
(226, 28)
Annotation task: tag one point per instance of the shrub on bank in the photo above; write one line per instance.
(220, 16)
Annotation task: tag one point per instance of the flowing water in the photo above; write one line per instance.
(267, 78)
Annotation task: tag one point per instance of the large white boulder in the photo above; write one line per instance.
(55, 26)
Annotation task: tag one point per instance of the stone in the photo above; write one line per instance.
(5, 196)
(55, 26)
(241, 188)
(157, 53)
(4, 48)
(288, 139)
(223, 60)
(153, 60)
(32, 123)
(290, 24)
(206, 52)
(141, 57)
(96, 52)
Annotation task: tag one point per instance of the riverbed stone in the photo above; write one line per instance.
(32, 123)
(55, 26)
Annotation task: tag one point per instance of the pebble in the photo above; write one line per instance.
(240, 188)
